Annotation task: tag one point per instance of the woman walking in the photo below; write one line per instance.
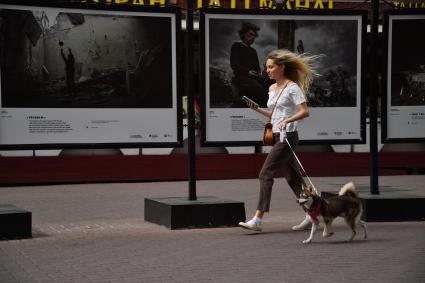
(287, 105)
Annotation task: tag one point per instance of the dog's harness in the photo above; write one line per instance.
(315, 211)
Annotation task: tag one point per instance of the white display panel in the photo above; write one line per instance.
(404, 100)
(89, 77)
(337, 112)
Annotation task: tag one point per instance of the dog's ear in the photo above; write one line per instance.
(304, 190)
(312, 191)
(310, 188)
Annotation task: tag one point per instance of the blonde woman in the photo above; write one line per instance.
(293, 75)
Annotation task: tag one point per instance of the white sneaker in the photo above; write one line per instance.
(304, 225)
(252, 224)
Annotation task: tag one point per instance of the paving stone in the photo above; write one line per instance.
(96, 233)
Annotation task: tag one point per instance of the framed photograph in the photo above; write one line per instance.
(232, 68)
(83, 76)
(403, 101)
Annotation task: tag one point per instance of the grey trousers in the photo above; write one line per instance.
(280, 157)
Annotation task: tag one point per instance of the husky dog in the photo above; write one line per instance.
(346, 204)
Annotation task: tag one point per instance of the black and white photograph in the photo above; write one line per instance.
(408, 62)
(404, 102)
(231, 59)
(87, 76)
(236, 47)
(55, 59)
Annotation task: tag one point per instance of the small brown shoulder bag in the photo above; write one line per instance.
(268, 137)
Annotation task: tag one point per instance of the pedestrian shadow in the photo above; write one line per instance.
(318, 239)
(269, 232)
(354, 242)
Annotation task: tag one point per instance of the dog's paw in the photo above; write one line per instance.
(328, 234)
(308, 241)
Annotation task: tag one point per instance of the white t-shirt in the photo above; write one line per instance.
(286, 106)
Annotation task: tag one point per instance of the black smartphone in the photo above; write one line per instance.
(249, 100)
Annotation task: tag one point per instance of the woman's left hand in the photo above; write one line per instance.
(282, 125)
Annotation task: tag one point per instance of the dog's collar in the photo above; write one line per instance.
(315, 211)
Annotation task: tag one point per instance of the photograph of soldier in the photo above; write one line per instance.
(55, 59)
(247, 77)
(336, 39)
(408, 62)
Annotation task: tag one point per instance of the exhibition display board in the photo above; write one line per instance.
(336, 98)
(403, 101)
(85, 76)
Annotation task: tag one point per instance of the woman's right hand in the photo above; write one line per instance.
(251, 105)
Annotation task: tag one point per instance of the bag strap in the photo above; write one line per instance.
(275, 103)
(305, 173)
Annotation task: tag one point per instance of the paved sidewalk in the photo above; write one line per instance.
(96, 233)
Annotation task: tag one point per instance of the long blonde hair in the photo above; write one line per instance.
(300, 69)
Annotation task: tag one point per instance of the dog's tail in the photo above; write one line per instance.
(348, 189)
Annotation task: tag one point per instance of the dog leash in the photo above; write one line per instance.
(305, 173)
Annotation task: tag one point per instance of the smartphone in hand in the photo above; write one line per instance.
(250, 101)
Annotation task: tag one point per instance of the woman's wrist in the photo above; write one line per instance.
(262, 111)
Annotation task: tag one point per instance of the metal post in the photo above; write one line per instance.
(190, 100)
(373, 96)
